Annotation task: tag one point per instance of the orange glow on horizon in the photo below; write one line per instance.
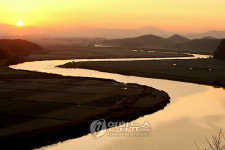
(171, 15)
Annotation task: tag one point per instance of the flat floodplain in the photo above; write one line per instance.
(204, 71)
(35, 106)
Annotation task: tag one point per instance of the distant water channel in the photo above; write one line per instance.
(195, 112)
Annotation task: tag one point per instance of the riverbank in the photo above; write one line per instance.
(202, 71)
(40, 109)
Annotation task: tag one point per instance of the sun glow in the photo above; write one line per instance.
(20, 23)
(172, 15)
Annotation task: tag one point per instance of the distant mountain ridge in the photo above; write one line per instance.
(41, 32)
(152, 41)
(214, 34)
(9, 30)
(208, 37)
(174, 42)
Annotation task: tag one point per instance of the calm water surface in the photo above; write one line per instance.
(195, 112)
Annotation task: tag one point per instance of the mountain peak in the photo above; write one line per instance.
(178, 38)
(149, 35)
(208, 37)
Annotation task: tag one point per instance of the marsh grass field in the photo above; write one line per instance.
(204, 71)
(38, 109)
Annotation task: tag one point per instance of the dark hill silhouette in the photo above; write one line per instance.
(18, 46)
(178, 39)
(14, 51)
(200, 44)
(141, 41)
(220, 51)
(147, 40)
(205, 45)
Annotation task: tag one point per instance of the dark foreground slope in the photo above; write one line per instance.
(220, 51)
(39, 109)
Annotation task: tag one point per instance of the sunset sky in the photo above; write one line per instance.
(172, 15)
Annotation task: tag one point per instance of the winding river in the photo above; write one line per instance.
(195, 112)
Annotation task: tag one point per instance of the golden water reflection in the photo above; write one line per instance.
(178, 126)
